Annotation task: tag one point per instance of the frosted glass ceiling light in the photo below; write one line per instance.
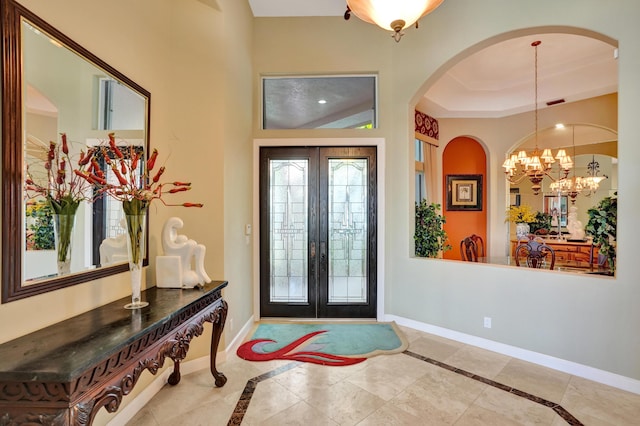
(392, 15)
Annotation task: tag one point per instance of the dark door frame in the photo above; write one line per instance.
(380, 144)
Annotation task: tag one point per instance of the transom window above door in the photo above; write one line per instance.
(319, 102)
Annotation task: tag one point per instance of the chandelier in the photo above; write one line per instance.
(577, 184)
(535, 165)
(390, 15)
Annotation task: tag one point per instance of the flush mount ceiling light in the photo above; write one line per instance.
(391, 15)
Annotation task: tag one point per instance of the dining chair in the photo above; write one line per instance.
(471, 248)
(536, 254)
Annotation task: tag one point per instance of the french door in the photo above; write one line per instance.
(318, 232)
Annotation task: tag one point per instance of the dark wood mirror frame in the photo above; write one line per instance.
(12, 154)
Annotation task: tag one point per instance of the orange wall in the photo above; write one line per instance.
(464, 156)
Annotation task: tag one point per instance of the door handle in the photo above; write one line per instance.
(323, 256)
(312, 258)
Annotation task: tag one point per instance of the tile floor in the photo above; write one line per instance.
(436, 382)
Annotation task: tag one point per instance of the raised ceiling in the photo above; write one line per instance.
(498, 80)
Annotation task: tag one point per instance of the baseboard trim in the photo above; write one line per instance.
(573, 368)
(130, 410)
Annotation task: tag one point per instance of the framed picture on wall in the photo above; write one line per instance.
(556, 206)
(464, 192)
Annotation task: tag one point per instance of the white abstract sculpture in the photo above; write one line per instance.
(114, 250)
(183, 262)
(576, 231)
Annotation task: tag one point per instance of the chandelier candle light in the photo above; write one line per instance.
(537, 165)
(394, 16)
(576, 184)
(136, 188)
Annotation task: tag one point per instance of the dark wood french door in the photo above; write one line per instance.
(318, 232)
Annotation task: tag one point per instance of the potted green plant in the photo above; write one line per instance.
(602, 226)
(39, 226)
(542, 224)
(430, 237)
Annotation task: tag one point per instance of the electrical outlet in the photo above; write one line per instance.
(487, 322)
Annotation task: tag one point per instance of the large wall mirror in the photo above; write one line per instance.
(52, 85)
(594, 151)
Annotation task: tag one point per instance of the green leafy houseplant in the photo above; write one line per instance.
(541, 222)
(430, 238)
(40, 232)
(602, 225)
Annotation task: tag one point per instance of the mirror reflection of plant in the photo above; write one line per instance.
(602, 225)
(521, 214)
(61, 187)
(63, 191)
(542, 222)
(40, 228)
(430, 237)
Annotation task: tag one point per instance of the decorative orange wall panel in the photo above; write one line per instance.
(464, 156)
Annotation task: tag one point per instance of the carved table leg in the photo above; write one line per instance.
(216, 333)
(174, 378)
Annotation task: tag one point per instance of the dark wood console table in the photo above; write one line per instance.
(63, 374)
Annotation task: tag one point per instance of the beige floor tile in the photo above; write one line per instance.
(478, 416)
(390, 415)
(587, 399)
(143, 417)
(215, 413)
(440, 396)
(391, 390)
(390, 375)
(345, 403)
(300, 414)
(184, 397)
(534, 379)
(478, 361)
(409, 333)
(509, 407)
(435, 348)
(307, 379)
(269, 399)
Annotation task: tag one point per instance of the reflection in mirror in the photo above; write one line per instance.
(53, 86)
(335, 102)
(594, 151)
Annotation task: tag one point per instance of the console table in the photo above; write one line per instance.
(63, 374)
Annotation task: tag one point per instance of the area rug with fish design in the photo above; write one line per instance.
(324, 343)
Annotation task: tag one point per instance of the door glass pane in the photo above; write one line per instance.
(288, 198)
(348, 230)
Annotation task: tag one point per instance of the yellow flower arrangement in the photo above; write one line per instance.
(521, 214)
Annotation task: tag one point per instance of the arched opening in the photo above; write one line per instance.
(487, 93)
(462, 157)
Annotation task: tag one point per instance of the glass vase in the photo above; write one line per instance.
(63, 233)
(136, 218)
(64, 218)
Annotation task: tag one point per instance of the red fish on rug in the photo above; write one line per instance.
(251, 351)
